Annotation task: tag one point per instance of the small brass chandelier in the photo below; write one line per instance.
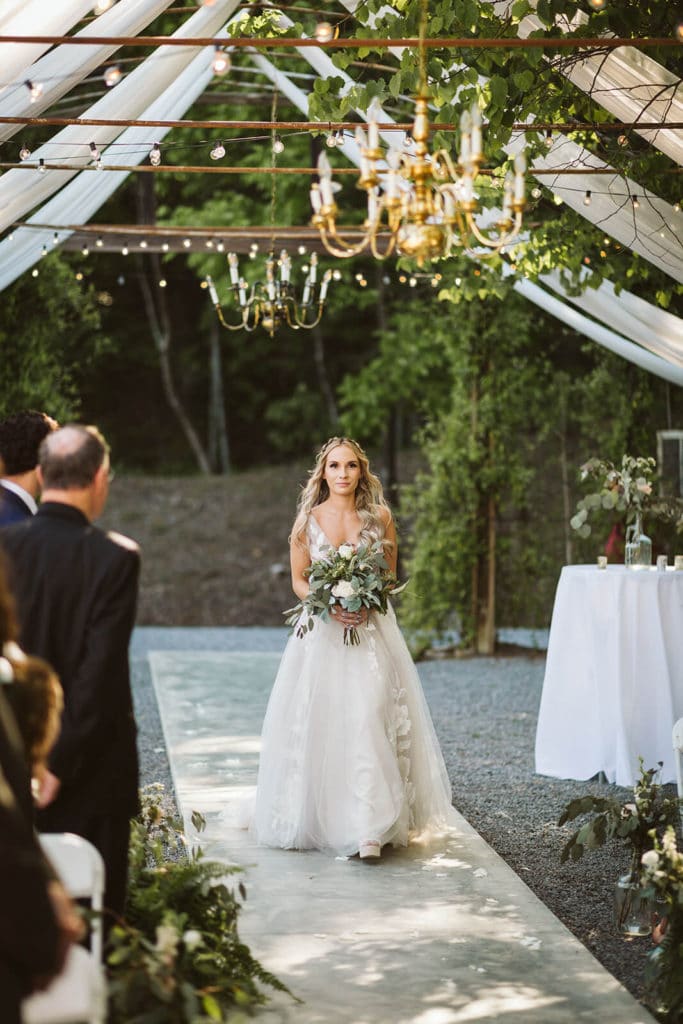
(271, 303)
(427, 204)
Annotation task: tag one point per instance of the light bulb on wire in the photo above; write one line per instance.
(24, 153)
(278, 144)
(587, 198)
(635, 202)
(323, 32)
(41, 166)
(217, 151)
(112, 75)
(155, 155)
(221, 62)
(35, 89)
(100, 6)
(597, 5)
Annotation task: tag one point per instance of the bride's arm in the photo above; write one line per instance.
(391, 551)
(299, 559)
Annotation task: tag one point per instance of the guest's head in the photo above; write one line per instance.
(74, 468)
(20, 438)
(36, 699)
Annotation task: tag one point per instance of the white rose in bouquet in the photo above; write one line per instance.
(343, 589)
(346, 551)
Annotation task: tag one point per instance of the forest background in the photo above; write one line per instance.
(477, 407)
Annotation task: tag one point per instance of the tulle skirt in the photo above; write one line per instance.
(348, 751)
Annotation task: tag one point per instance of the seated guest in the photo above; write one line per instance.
(37, 920)
(36, 699)
(20, 438)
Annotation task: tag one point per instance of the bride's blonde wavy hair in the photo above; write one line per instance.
(369, 494)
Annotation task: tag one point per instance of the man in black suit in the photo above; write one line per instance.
(20, 437)
(76, 591)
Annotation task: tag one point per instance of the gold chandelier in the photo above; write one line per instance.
(419, 204)
(272, 303)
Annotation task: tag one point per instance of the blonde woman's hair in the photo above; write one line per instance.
(369, 495)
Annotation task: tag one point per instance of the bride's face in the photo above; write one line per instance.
(342, 470)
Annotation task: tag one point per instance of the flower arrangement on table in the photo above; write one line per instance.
(351, 578)
(626, 489)
(662, 874)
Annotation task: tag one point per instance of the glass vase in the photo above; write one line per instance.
(632, 907)
(638, 549)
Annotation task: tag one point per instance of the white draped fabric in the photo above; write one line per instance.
(65, 66)
(33, 17)
(613, 686)
(22, 189)
(83, 196)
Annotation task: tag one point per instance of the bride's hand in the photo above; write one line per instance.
(349, 619)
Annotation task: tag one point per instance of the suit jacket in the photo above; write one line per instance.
(12, 508)
(76, 591)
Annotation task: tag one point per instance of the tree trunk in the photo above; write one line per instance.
(160, 322)
(323, 379)
(564, 478)
(219, 445)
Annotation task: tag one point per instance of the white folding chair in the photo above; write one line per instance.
(677, 740)
(78, 995)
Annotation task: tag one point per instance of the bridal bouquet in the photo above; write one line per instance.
(352, 578)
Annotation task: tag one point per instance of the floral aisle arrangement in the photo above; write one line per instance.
(638, 824)
(351, 578)
(662, 873)
(627, 489)
(177, 957)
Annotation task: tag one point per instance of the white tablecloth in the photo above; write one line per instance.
(613, 684)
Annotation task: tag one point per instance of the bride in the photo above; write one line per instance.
(349, 756)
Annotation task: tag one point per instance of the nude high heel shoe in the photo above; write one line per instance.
(369, 848)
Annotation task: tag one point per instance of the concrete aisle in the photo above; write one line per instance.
(438, 934)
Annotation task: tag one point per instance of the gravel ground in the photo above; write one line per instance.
(484, 712)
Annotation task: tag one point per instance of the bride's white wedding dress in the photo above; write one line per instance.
(348, 751)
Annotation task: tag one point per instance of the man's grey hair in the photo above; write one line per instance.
(70, 457)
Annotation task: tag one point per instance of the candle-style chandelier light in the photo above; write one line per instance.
(420, 205)
(270, 304)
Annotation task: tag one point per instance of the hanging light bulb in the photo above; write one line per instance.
(55, 239)
(323, 32)
(94, 152)
(24, 153)
(548, 139)
(35, 89)
(187, 242)
(85, 251)
(112, 75)
(163, 283)
(536, 193)
(597, 5)
(99, 243)
(587, 198)
(143, 243)
(221, 62)
(678, 31)
(41, 166)
(164, 246)
(278, 145)
(43, 251)
(635, 202)
(331, 140)
(218, 151)
(155, 155)
(622, 140)
(35, 272)
(124, 250)
(101, 6)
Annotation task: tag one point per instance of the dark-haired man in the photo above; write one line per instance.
(20, 438)
(76, 590)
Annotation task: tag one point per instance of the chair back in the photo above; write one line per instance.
(81, 869)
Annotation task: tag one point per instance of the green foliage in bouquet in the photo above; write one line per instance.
(662, 874)
(177, 957)
(637, 823)
(628, 489)
(353, 578)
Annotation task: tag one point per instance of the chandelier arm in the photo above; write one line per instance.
(332, 243)
(505, 236)
(389, 249)
(223, 322)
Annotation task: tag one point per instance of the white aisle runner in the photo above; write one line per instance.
(445, 934)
